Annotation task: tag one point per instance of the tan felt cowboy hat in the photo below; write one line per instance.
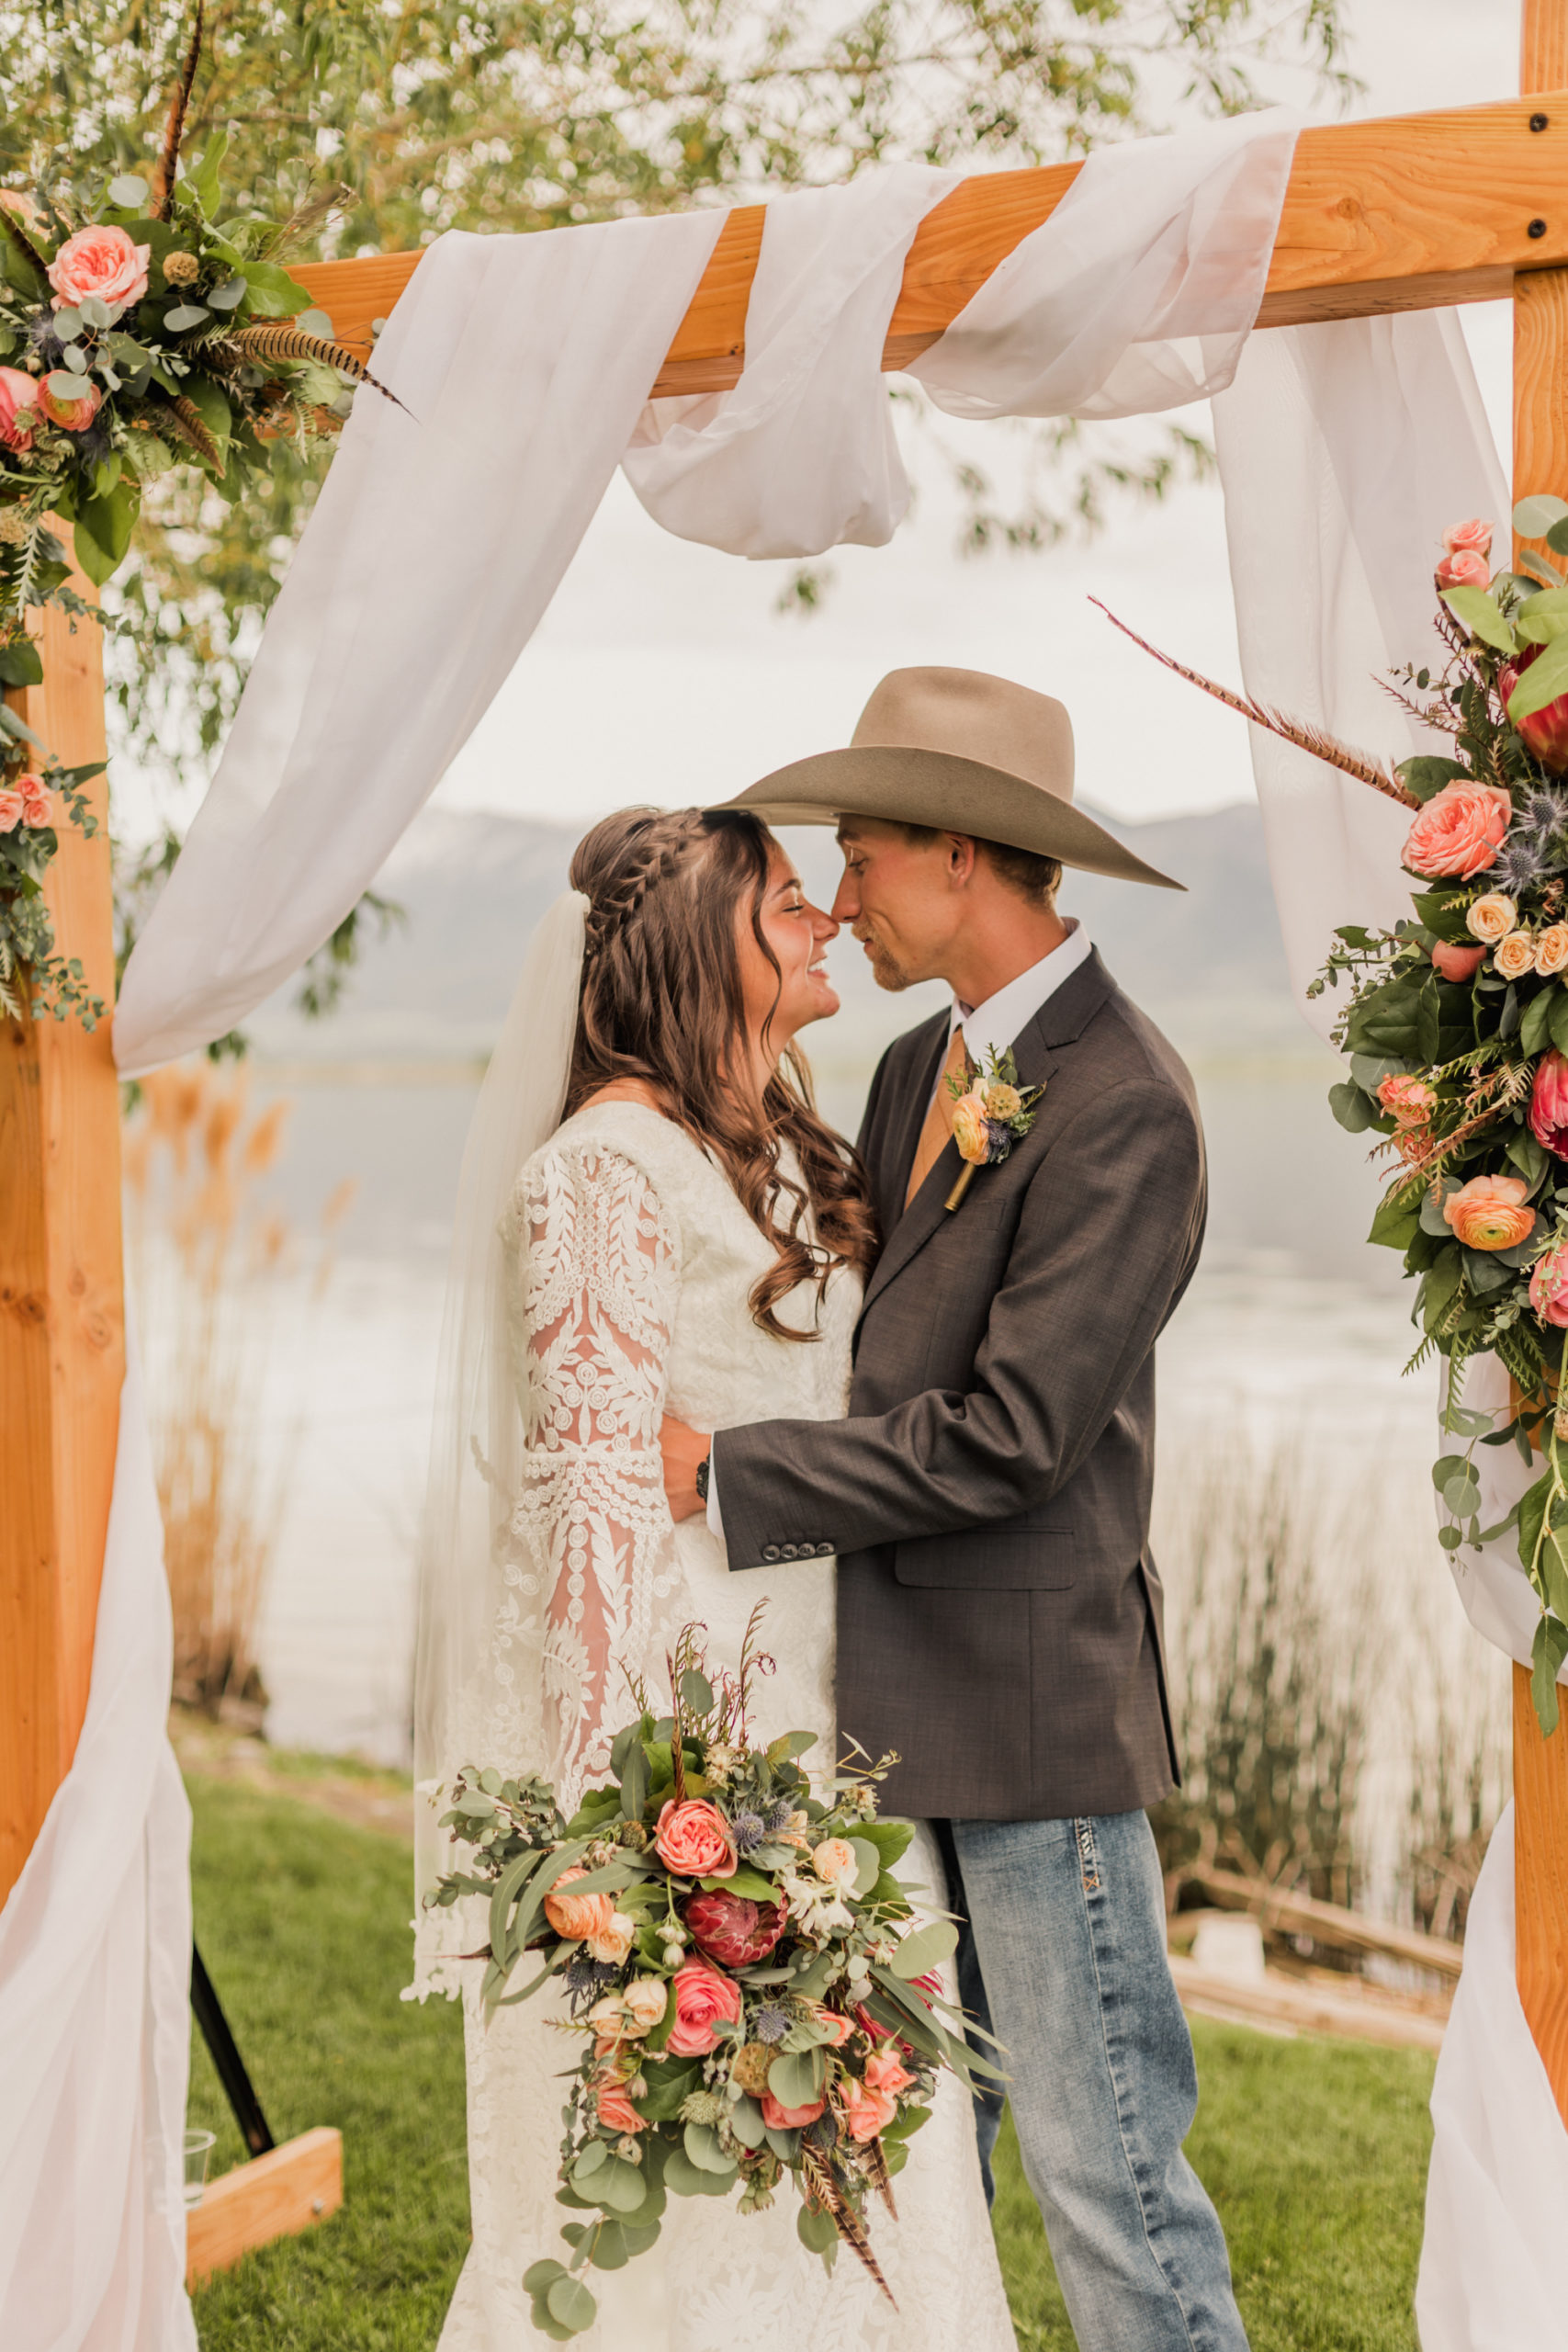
(961, 750)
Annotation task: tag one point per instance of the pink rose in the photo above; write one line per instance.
(10, 809)
(1548, 1287)
(1410, 1099)
(1545, 732)
(101, 261)
(1456, 963)
(617, 2112)
(1464, 570)
(883, 2073)
(1459, 830)
(866, 2110)
(577, 1917)
(1473, 537)
(74, 415)
(1489, 1213)
(705, 1997)
(790, 2118)
(693, 1840)
(1548, 1105)
(18, 396)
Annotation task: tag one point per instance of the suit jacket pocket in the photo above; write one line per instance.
(991, 1559)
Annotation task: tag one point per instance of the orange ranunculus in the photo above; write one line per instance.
(578, 1915)
(1489, 1213)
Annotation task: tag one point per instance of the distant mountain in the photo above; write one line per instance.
(1206, 964)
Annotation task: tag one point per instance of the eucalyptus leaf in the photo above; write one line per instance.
(926, 1948)
(1351, 1107)
(95, 312)
(570, 2303)
(185, 314)
(1533, 518)
(816, 2229)
(746, 2123)
(228, 296)
(315, 322)
(701, 2142)
(620, 2186)
(127, 190)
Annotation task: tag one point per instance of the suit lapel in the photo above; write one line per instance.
(1062, 1018)
(907, 1117)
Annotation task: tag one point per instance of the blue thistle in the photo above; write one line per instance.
(1522, 864)
(777, 1816)
(585, 1979)
(749, 1829)
(1543, 810)
(771, 2022)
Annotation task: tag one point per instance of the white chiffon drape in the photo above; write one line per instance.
(436, 545)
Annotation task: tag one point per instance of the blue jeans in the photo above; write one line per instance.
(1063, 1958)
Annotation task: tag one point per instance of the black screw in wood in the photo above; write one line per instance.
(254, 2129)
(1539, 121)
(1536, 229)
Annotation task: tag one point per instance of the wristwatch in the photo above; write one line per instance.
(703, 1479)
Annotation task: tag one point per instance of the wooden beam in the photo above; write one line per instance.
(1376, 217)
(277, 2196)
(62, 1318)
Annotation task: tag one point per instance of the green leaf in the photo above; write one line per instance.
(868, 1864)
(1542, 682)
(1557, 1019)
(203, 181)
(185, 314)
(891, 1838)
(701, 2142)
(683, 2178)
(1395, 1227)
(746, 2123)
(127, 191)
(211, 404)
(750, 1884)
(697, 1692)
(926, 1948)
(795, 2077)
(620, 2186)
(1351, 1107)
(816, 2231)
(1542, 616)
(103, 526)
(634, 1782)
(668, 2085)
(1535, 517)
(1447, 1466)
(541, 2275)
(1534, 1028)
(19, 664)
(1557, 538)
(274, 294)
(1426, 774)
(315, 322)
(570, 2303)
(1482, 615)
(228, 296)
(1546, 1653)
(594, 2154)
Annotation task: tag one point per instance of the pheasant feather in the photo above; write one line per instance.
(174, 126)
(880, 2177)
(1305, 737)
(281, 340)
(826, 2193)
(184, 420)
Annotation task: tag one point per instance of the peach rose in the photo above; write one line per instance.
(1551, 949)
(577, 1917)
(1548, 1287)
(883, 2073)
(1460, 830)
(18, 399)
(37, 806)
(644, 2001)
(617, 2112)
(74, 415)
(1465, 569)
(1492, 917)
(10, 809)
(102, 260)
(790, 2118)
(969, 1130)
(1489, 1213)
(834, 1859)
(693, 1840)
(866, 2110)
(1515, 955)
(1473, 537)
(1456, 963)
(1410, 1099)
(612, 1943)
(705, 1997)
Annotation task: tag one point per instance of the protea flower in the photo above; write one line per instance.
(731, 1929)
(1545, 731)
(1548, 1103)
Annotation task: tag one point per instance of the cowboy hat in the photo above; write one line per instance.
(960, 750)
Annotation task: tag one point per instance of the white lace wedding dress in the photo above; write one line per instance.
(633, 1261)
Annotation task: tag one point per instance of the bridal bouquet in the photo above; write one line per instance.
(739, 1962)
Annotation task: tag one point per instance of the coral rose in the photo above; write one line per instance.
(101, 261)
(1492, 917)
(790, 2118)
(834, 1859)
(1548, 1105)
(1548, 1287)
(1465, 569)
(867, 2111)
(1456, 963)
(883, 2073)
(705, 1997)
(577, 1917)
(74, 415)
(1410, 1101)
(38, 807)
(617, 2112)
(1515, 955)
(1551, 948)
(693, 1840)
(1489, 1213)
(1460, 830)
(732, 1929)
(970, 1132)
(1473, 537)
(613, 1943)
(10, 809)
(19, 397)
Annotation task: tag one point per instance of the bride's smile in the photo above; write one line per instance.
(784, 960)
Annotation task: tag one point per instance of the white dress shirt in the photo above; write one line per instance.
(989, 1028)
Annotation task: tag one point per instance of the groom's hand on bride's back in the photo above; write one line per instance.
(682, 1450)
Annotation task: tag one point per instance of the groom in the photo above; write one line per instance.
(998, 1612)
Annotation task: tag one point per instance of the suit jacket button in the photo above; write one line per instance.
(769, 1551)
(824, 1551)
(789, 1551)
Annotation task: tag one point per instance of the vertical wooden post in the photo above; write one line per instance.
(1540, 1767)
(62, 1311)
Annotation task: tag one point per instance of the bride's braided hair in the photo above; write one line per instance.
(662, 1002)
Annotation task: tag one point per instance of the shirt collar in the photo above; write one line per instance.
(993, 1026)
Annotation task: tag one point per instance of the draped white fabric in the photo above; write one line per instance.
(95, 1977)
(436, 545)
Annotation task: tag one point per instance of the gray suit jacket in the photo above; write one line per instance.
(989, 1494)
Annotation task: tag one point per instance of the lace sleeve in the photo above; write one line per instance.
(596, 1279)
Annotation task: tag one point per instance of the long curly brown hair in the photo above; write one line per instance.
(662, 1002)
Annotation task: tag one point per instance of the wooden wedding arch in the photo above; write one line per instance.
(1409, 213)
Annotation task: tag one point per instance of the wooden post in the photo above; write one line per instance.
(1540, 1767)
(61, 1314)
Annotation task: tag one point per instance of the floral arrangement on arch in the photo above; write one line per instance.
(1456, 1030)
(137, 332)
(753, 1994)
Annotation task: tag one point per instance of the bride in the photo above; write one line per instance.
(691, 1237)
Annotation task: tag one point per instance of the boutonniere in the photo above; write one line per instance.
(991, 1111)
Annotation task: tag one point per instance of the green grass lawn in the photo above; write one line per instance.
(1315, 2153)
